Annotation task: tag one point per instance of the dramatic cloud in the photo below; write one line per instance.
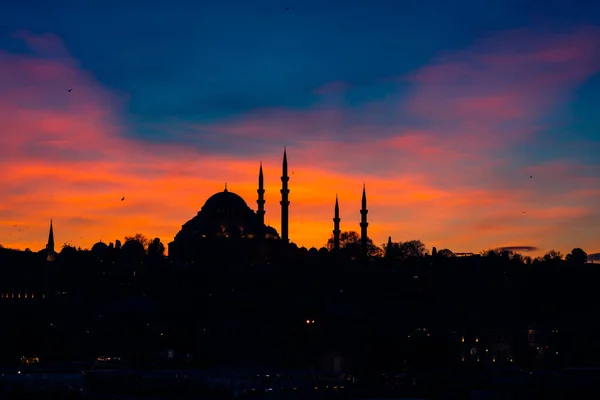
(518, 249)
(441, 154)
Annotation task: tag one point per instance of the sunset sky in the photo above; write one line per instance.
(443, 109)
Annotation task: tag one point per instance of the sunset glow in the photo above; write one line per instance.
(479, 148)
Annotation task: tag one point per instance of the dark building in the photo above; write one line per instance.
(226, 219)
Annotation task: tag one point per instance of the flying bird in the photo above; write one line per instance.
(123, 199)
(530, 176)
(287, 9)
(69, 90)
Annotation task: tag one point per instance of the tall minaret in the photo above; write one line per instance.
(363, 222)
(284, 200)
(50, 245)
(261, 196)
(336, 225)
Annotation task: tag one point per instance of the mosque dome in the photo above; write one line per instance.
(225, 202)
(227, 226)
(225, 215)
(99, 247)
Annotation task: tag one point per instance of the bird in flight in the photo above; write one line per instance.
(123, 199)
(530, 176)
(287, 9)
(69, 90)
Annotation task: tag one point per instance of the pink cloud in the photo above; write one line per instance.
(46, 44)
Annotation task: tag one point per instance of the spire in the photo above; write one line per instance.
(225, 190)
(51, 237)
(285, 203)
(261, 194)
(50, 246)
(363, 221)
(364, 197)
(336, 225)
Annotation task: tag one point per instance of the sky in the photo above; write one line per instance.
(473, 125)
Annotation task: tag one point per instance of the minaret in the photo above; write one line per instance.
(284, 200)
(363, 222)
(50, 245)
(336, 225)
(261, 196)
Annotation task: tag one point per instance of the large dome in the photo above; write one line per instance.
(226, 215)
(225, 202)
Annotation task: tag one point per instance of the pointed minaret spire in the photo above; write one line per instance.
(261, 196)
(50, 246)
(285, 203)
(363, 221)
(336, 225)
(225, 190)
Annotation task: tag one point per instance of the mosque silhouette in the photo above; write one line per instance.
(227, 220)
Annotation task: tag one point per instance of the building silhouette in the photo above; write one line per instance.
(336, 225)
(226, 217)
(50, 253)
(363, 222)
(285, 203)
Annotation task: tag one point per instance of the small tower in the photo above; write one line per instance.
(51, 254)
(363, 222)
(388, 247)
(261, 196)
(285, 203)
(336, 225)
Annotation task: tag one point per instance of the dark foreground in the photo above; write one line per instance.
(130, 384)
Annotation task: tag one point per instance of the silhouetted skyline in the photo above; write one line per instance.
(473, 125)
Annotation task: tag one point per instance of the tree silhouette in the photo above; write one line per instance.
(553, 255)
(446, 253)
(156, 248)
(140, 238)
(516, 257)
(350, 240)
(406, 250)
(577, 256)
(117, 244)
(491, 253)
(68, 251)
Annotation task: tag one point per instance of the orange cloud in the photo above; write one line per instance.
(67, 156)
